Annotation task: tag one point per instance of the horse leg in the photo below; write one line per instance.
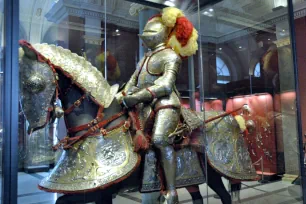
(195, 193)
(214, 181)
(151, 198)
(106, 196)
(104, 199)
(99, 197)
(74, 199)
(235, 188)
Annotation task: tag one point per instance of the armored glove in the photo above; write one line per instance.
(141, 96)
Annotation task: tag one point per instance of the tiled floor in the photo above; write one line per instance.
(252, 193)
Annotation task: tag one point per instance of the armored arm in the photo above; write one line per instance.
(128, 86)
(163, 86)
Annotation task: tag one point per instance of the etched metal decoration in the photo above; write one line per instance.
(93, 163)
(36, 83)
(225, 147)
(185, 175)
(81, 72)
(37, 87)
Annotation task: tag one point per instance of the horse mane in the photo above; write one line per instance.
(79, 70)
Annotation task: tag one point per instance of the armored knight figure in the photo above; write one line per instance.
(151, 89)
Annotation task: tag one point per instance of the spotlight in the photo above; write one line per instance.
(211, 10)
(169, 3)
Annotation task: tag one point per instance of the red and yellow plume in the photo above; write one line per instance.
(183, 38)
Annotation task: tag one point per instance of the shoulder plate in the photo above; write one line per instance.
(156, 63)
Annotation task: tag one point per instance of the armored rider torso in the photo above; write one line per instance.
(159, 68)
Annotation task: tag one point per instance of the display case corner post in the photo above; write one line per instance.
(10, 104)
(298, 105)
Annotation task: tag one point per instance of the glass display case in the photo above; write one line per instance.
(176, 101)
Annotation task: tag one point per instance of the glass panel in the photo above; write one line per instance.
(252, 40)
(74, 27)
(257, 70)
(91, 150)
(2, 69)
(243, 66)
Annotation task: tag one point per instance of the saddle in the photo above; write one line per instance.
(152, 178)
(143, 119)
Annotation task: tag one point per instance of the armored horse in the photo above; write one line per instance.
(99, 158)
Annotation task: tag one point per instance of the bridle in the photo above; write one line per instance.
(93, 128)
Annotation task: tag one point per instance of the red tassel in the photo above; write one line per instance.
(140, 141)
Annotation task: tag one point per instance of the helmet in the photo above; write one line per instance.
(154, 33)
(174, 29)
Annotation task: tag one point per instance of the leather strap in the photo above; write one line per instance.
(76, 104)
(68, 89)
(164, 107)
(67, 143)
(151, 92)
(90, 124)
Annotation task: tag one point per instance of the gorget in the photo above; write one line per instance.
(81, 72)
(95, 163)
(225, 147)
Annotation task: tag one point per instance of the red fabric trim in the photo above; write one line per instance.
(229, 178)
(41, 58)
(152, 93)
(164, 107)
(153, 53)
(141, 66)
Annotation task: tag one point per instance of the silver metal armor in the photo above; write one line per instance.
(152, 88)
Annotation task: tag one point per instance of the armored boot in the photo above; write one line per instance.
(171, 197)
(168, 162)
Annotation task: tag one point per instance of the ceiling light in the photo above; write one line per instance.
(117, 31)
(169, 3)
(268, 38)
(220, 48)
(205, 13)
(240, 47)
(211, 10)
(284, 30)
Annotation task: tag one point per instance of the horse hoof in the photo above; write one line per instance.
(172, 197)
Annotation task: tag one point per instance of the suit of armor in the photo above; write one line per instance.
(153, 85)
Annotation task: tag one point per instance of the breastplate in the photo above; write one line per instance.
(152, 67)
